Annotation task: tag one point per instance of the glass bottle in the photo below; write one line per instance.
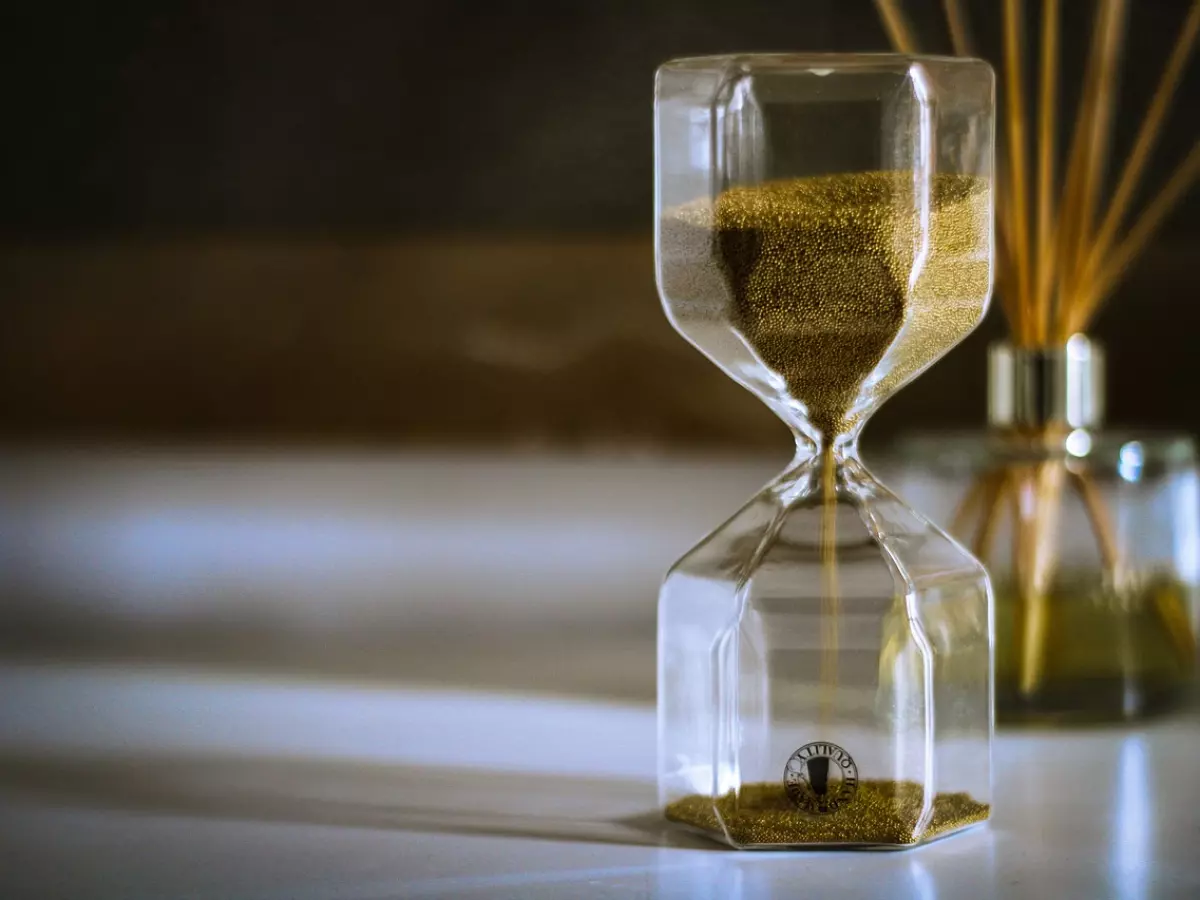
(1092, 539)
(824, 657)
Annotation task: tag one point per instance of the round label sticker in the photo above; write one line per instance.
(820, 778)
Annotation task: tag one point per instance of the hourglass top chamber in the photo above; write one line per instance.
(824, 235)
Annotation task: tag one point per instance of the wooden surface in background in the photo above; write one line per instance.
(526, 341)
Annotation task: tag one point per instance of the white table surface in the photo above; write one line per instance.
(133, 783)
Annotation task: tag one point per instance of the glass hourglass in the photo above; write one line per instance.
(824, 233)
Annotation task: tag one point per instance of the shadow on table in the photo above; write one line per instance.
(352, 795)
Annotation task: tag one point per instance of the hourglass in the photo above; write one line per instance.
(824, 234)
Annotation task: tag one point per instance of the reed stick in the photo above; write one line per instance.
(1173, 615)
(1073, 186)
(998, 485)
(960, 33)
(1015, 107)
(1143, 230)
(1110, 33)
(1016, 481)
(1102, 529)
(965, 512)
(1147, 137)
(1047, 149)
(899, 30)
(1042, 550)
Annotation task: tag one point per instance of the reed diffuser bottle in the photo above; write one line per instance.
(1092, 538)
(824, 233)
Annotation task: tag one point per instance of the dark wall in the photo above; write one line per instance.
(409, 114)
(410, 221)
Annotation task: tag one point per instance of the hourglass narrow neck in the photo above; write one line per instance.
(825, 469)
(814, 447)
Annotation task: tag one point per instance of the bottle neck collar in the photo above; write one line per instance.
(1039, 387)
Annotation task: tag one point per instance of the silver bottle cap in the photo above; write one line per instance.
(1034, 387)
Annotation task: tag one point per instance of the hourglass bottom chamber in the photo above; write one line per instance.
(824, 672)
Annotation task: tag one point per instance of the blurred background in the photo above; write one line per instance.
(329, 343)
